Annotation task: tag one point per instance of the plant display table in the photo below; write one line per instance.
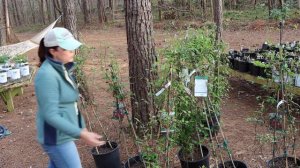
(260, 80)
(14, 88)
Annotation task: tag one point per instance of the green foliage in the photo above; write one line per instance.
(280, 14)
(249, 14)
(81, 79)
(21, 58)
(196, 51)
(261, 64)
(3, 59)
(113, 78)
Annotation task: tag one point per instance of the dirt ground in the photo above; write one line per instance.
(21, 150)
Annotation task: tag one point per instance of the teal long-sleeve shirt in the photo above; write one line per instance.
(57, 119)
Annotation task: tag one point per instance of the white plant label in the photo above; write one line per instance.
(163, 89)
(201, 86)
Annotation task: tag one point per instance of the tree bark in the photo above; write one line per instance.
(69, 17)
(86, 13)
(218, 18)
(49, 10)
(142, 56)
(2, 25)
(42, 11)
(7, 24)
(101, 12)
(31, 6)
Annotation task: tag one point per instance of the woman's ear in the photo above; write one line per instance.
(52, 51)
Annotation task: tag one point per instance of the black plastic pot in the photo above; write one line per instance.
(237, 163)
(254, 70)
(231, 62)
(110, 159)
(133, 161)
(243, 66)
(195, 163)
(236, 64)
(279, 162)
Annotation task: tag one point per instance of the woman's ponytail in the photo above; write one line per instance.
(42, 52)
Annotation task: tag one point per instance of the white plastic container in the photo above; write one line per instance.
(24, 70)
(3, 76)
(15, 74)
(297, 80)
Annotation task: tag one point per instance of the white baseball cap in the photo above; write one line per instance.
(61, 37)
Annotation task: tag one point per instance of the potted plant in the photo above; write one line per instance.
(21, 62)
(3, 60)
(194, 116)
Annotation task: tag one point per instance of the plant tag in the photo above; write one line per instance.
(201, 86)
(280, 103)
(192, 72)
(163, 89)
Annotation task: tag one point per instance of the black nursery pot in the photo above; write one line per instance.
(133, 161)
(236, 64)
(196, 163)
(243, 66)
(264, 72)
(254, 70)
(231, 62)
(110, 159)
(237, 163)
(279, 162)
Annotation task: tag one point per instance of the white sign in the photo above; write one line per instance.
(201, 86)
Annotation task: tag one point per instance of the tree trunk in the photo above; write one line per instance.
(17, 13)
(2, 25)
(49, 10)
(101, 12)
(86, 13)
(142, 56)
(69, 17)
(234, 4)
(7, 24)
(203, 6)
(31, 6)
(42, 11)
(160, 3)
(218, 17)
(270, 6)
(212, 9)
(298, 4)
(58, 8)
(12, 13)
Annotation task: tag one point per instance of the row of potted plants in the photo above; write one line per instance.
(11, 70)
(279, 110)
(261, 61)
(189, 122)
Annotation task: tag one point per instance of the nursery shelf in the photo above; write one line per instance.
(261, 80)
(14, 88)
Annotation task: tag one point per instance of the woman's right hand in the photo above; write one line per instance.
(91, 138)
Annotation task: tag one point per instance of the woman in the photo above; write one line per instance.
(58, 120)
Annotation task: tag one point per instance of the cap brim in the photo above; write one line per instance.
(70, 44)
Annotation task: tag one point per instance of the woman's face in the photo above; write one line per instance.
(62, 55)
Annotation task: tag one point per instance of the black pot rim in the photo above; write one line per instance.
(269, 161)
(204, 158)
(239, 161)
(112, 142)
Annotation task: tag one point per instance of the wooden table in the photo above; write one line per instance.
(262, 81)
(14, 88)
